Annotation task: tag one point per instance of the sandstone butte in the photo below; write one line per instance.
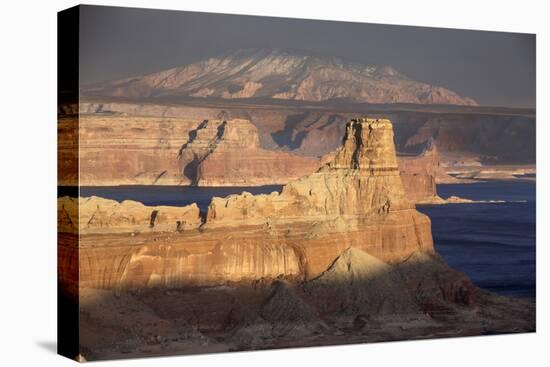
(121, 150)
(339, 256)
(355, 200)
(420, 174)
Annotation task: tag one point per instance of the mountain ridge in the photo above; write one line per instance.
(283, 75)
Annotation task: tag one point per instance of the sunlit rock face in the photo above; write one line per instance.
(355, 200)
(97, 215)
(114, 149)
(228, 153)
(120, 150)
(361, 180)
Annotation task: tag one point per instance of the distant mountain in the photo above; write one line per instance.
(281, 74)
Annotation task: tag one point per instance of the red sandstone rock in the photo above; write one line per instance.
(228, 153)
(347, 249)
(356, 200)
(420, 175)
(94, 214)
(120, 150)
(362, 179)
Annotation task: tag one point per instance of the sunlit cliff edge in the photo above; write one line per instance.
(338, 256)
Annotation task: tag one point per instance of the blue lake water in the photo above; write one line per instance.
(494, 244)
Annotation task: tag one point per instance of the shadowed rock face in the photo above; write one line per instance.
(348, 286)
(280, 74)
(357, 299)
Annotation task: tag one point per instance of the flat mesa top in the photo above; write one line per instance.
(371, 122)
(364, 120)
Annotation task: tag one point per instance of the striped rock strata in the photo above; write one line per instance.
(356, 200)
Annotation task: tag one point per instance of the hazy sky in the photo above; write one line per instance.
(494, 68)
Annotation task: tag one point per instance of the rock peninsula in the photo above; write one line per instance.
(355, 200)
(338, 256)
(121, 150)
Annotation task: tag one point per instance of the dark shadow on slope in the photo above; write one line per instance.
(357, 299)
(284, 138)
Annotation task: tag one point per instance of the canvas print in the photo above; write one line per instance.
(233, 183)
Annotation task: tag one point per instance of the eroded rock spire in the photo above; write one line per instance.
(368, 145)
(363, 179)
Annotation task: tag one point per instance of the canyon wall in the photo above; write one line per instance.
(132, 150)
(355, 200)
(420, 174)
(67, 149)
(339, 256)
(362, 178)
(463, 135)
(121, 150)
(228, 153)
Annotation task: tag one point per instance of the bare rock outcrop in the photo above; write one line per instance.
(362, 180)
(94, 214)
(114, 149)
(465, 136)
(338, 256)
(228, 153)
(420, 175)
(356, 200)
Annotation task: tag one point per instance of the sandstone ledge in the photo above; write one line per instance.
(96, 215)
(356, 199)
(338, 256)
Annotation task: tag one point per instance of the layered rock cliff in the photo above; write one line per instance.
(362, 179)
(420, 175)
(120, 145)
(356, 200)
(228, 153)
(94, 214)
(123, 150)
(464, 135)
(120, 150)
(338, 256)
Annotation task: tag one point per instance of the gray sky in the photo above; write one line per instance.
(494, 68)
